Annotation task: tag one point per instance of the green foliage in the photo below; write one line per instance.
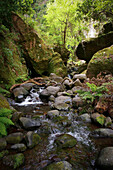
(97, 9)
(7, 6)
(62, 24)
(18, 160)
(101, 119)
(4, 91)
(94, 92)
(5, 116)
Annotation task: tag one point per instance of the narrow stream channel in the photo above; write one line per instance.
(82, 156)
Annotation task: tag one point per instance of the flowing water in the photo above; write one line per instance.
(82, 156)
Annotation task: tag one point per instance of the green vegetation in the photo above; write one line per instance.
(101, 119)
(5, 120)
(94, 92)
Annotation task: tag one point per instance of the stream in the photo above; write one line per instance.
(82, 156)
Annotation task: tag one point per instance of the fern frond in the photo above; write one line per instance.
(3, 129)
(5, 112)
(6, 121)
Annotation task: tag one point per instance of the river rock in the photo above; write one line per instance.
(29, 123)
(3, 143)
(77, 102)
(62, 103)
(51, 90)
(53, 113)
(14, 138)
(56, 78)
(105, 159)
(27, 86)
(94, 117)
(102, 132)
(62, 165)
(108, 122)
(19, 147)
(32, 139)
(81, 77)
(19, 91)
(65, 141)
(14, 160)
(68, 84)
(85, 117)
(77, 82)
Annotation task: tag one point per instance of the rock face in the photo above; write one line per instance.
(10, 56)
(101, 61)
(37, 55)
(105, 159)
(87, 49)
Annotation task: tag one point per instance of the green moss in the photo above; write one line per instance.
(18, 160)
(102, 61)
(3, 102)
(3, 153)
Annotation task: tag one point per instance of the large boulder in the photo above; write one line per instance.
(102, 61)
(87, 49)
(37, 55)
(105, 159)
(12, 66)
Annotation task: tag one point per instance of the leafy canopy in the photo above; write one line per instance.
(62, 22)
(97, 9)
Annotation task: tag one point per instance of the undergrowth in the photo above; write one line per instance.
(5, 121)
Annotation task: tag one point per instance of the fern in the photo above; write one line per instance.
(94, 92)
(5, 115)
(5, 112)
(3, 129)
(6, 121)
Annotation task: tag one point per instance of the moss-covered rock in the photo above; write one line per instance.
(62, 165)
(3, 102)
(11, 67)
(3, 153)
(37, 55)
(57, 66)
(14, 160)
(65, 141)
(32, 139)
(102, 61)
(87, 49)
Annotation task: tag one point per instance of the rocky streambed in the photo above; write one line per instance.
(50, 133)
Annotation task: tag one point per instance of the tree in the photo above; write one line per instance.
(63, 23)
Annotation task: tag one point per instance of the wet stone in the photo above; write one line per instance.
(19, 147)
(105, 159)
(65, 141)
(62, 165)
(29, 124)
(32, 139)
(3, 143)
(102, 132)
(85, 118)
(14, 138)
